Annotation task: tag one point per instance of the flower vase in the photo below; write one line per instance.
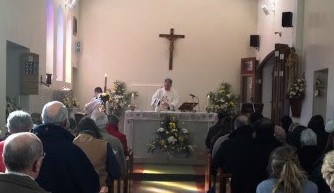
(296, 107)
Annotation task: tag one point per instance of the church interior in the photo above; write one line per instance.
(259, 47)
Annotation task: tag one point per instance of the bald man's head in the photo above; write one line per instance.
(241, 121)
(54, 112)
(21, 150)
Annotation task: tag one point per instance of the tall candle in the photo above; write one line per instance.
(132, 98)
(208, 101)
(105, 82)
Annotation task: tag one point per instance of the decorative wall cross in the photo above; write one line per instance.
(171, 37)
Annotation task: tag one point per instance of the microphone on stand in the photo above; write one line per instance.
(192, 95)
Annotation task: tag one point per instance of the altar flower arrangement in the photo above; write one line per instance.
(70, 102)
(222, 100)
(171, 138)
(118, 98)
(297, 90)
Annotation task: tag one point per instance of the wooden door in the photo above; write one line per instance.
(279, 83)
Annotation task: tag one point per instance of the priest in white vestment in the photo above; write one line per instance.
(165, 98)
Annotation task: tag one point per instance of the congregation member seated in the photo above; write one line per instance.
(222, 135)
(101, 121)
(254, 168)
(317, 124)
(36, 119)
(98, 151)
(293, 138)
(327, 170)
(280, 134)
(17, 121)
(316, 176)
(23, 155)
(213, 130)
(112, 129)
(233, 152)
(286, 175)
(286, 122)
(308, 153)
(292, 127)
(254, 117)
(65, 168)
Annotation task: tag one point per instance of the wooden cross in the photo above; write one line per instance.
(171, 37)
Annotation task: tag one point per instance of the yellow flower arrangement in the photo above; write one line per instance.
(171, 138)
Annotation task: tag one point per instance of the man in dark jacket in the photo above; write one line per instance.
(66, 167)
(232, 153)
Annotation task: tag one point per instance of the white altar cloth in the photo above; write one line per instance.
(140, 127)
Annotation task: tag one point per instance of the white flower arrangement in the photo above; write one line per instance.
(297, 90)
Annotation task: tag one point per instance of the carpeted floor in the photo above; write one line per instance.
(154, 178)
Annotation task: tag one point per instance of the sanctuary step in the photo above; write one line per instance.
(172, 178)
(165, 160)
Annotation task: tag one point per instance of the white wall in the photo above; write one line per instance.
(318, 51)
(267, 26)
(22, 22)
(121, 38)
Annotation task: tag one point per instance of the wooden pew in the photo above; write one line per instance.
(220, 181)
(223, 180)
(125, 180)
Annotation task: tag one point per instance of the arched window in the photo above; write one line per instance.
(49, 36)
(68, 70)
(60, 45)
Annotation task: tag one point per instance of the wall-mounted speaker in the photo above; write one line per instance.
(254, 41)
(287, 19)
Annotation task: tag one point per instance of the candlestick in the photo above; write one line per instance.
(105, 82)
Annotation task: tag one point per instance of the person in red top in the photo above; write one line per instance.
(17, 121)
(112, 129)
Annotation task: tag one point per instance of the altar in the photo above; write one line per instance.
(140, 128)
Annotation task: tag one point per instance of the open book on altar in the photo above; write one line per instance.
(187, 106)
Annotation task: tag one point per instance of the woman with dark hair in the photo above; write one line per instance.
(222, 135)
(317, 124)
(293, 138)
(97, 150)
(287, 176)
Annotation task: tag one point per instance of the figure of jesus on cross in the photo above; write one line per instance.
(171, 37)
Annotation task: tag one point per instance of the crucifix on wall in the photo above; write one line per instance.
(171, 37)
